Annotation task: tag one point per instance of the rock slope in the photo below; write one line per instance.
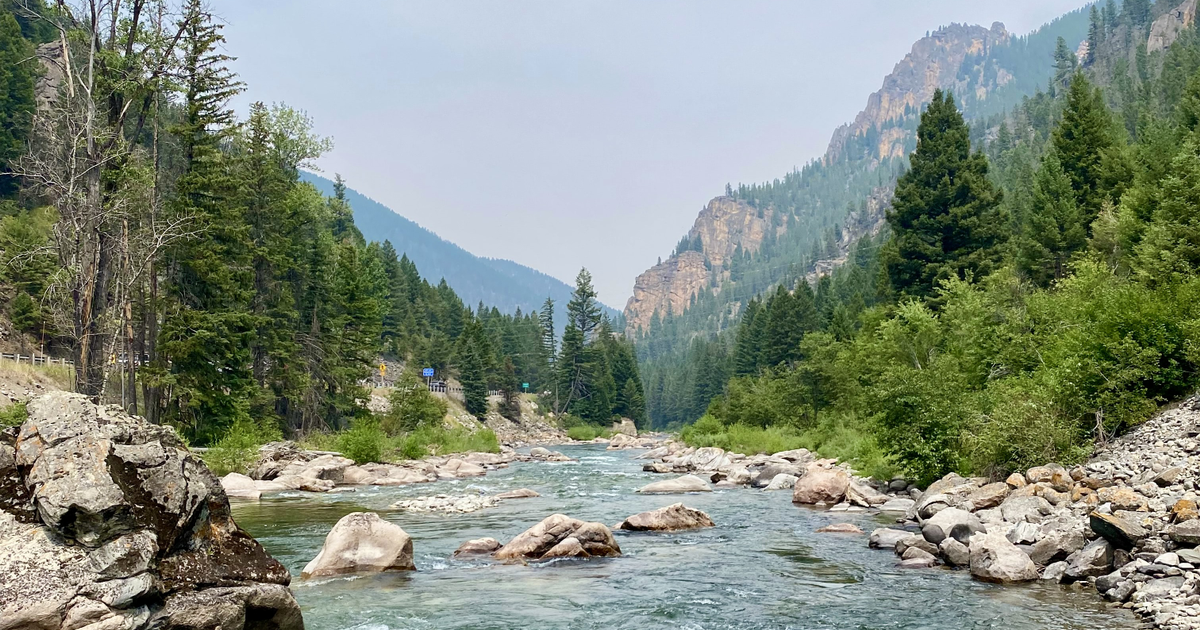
(107, 521)
(1126, 523)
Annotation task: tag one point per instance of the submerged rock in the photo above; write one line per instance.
(520, 493)
(680, 485)
(560, 536)
(448, 504)
(840, 528)
(676, 517)
(107, 518)
(361, 542)
(477, 547)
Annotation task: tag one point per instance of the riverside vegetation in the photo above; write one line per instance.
(1032, 295)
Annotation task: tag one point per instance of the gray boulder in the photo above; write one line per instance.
(1094, 560)
(1016, 509)
(106, 518)
(679, 485)
(884, 538)
(782, 481)
(955, 553)
(560, 536)
(1161, 588)
(956, 523)
(361, 542)
(994, 559)
(771, 471)
(676, 517)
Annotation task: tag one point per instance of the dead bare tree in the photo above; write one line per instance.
(84, 161)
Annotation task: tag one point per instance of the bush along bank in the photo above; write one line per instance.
(1125, 523)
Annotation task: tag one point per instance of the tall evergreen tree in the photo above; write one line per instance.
(1095, 34)
(1055, 229)
(1084, 145)
(583, 311)
(17, 68)
(944, 217)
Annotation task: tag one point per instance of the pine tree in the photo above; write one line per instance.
(1083, 143)
(510, 392)
(17, 67)
(473, 372)
(204, 340)
(749, 340)
(1138, 12)
(1064, 64)
(1095, 34)
(583, 311)
(944, 216)
(1055, 228)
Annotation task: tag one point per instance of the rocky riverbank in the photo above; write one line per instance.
(1125, 523)
(283, 466)
(109, 522)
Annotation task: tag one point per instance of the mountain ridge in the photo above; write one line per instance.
(504, 284)
(816, 218)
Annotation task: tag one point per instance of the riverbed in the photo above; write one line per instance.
(761, 567)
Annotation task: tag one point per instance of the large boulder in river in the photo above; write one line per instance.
(106, 519)
(361, 542)
(560, 536)
(994, 559)
(821, 484)
(680, 485)
(672, 518)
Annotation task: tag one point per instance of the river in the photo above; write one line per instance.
(761, 567)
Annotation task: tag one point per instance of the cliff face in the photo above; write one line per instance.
(665, 287)
(1166, 29)
(934, 62)
(725, 224)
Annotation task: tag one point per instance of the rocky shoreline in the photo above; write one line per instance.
(109, 523)
(1126, 523)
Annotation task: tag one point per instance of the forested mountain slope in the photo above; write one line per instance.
(1034, 293)
(758, 236)
(503, 284)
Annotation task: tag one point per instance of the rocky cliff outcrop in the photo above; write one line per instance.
(725, 227)
(107, 521)
(667, 287)
(934, 62)
(1166, 29)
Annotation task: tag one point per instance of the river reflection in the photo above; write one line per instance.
(760, 567)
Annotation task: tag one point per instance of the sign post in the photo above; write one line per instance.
(428, 374)
(525, 386)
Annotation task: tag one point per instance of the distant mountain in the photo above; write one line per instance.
(804, 224)
(503, 284)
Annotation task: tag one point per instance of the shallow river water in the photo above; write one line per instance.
(761, 567)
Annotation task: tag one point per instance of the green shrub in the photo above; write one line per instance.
(363, 442)
(443, 441)
(412, 406)
(238, 448)
(587, 432)
(833, 437)
(13, 415)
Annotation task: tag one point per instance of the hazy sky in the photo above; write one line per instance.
(561, 133)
